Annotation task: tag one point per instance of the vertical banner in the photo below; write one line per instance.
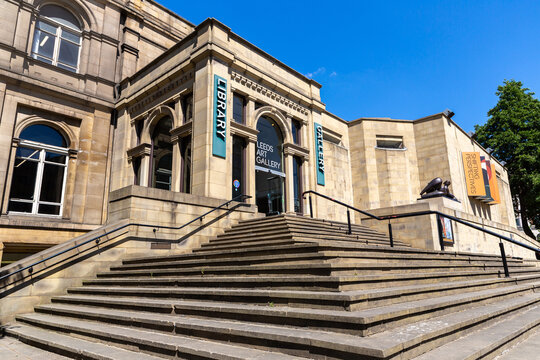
(220, 117)
(319, 153)
(473, 174)
(494, 186)
(486, 172)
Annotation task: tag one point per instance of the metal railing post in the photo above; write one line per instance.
(310, 206)
(505, 263)
(390, 236)
(349, 221)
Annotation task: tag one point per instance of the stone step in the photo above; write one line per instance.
(333, 248)
(301, 220)
(404, 341)
(261, 250)
(360, 322)
(300, 258)
(367, 255)
(313, 268)
(295, 233)
(299, 227)
(492, 340)
(75, 348)
(347, 300)
(308, 282)
(292, 238)
(13, 349)
(156, 343)
(526, 348)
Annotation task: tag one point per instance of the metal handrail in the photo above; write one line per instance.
(428, 212)
(97, 239)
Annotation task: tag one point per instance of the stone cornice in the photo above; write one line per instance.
(181, 131)
(243, 131)
(296, 150)
(139, 151)
(265, 91)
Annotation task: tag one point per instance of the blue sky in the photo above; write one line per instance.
(399, 59)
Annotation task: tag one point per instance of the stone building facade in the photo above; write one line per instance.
(105, 101)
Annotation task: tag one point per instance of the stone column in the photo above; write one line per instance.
(289, 183)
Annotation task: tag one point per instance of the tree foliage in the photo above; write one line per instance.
(513, 132)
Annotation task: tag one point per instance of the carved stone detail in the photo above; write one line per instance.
(241, 79)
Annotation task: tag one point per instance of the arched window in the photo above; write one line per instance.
(57, 38)
(162, 154)
(39, 173)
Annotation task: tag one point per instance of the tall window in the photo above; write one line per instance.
(297, 181)
(186, 165)
(238, 165)
(239, 104)
(57, 38)
(162, 154)
(296, 127)
(39, 173)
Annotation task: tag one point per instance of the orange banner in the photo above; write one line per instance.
(473, 174)
(494, 186)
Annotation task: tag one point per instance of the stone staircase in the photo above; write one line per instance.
(288, 287)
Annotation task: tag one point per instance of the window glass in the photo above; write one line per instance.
(44, 44)
(186, 165)
(162, 154)
(390, 142)
(60, 15)
(238, 162)
(238, 109)
(296, 132)
(57, 38)
(38, 179)
(51, 183)
(269, 145)
(46, 27)
(25, 172)
(43, 134)
(297, 181)
(69, 53)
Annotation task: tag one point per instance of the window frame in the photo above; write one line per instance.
(244, 105)
(36, 202)
(55, 61)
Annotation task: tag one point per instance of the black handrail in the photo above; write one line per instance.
(428, 212)
(97, 239)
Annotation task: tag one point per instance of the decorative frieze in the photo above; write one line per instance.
(151, 100)
(243, 80)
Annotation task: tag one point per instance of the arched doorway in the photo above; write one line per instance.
(269, 175)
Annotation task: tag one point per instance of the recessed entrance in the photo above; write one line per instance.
(269, 175)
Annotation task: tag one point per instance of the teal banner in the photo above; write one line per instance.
(220, 117)
(319, 153)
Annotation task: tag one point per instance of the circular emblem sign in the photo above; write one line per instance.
(236, 184)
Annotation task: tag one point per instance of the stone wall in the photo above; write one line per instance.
(422, 231)
(132, 205)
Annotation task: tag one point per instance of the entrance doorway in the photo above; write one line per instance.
(269, 175)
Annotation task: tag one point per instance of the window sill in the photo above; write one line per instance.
(390, 149)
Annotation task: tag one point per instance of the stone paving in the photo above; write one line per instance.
(11, 348)
(529, 349)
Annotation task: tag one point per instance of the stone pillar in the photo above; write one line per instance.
(142, 151)
(251, 149)
(289, 184)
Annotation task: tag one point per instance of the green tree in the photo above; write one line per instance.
(513, 132)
